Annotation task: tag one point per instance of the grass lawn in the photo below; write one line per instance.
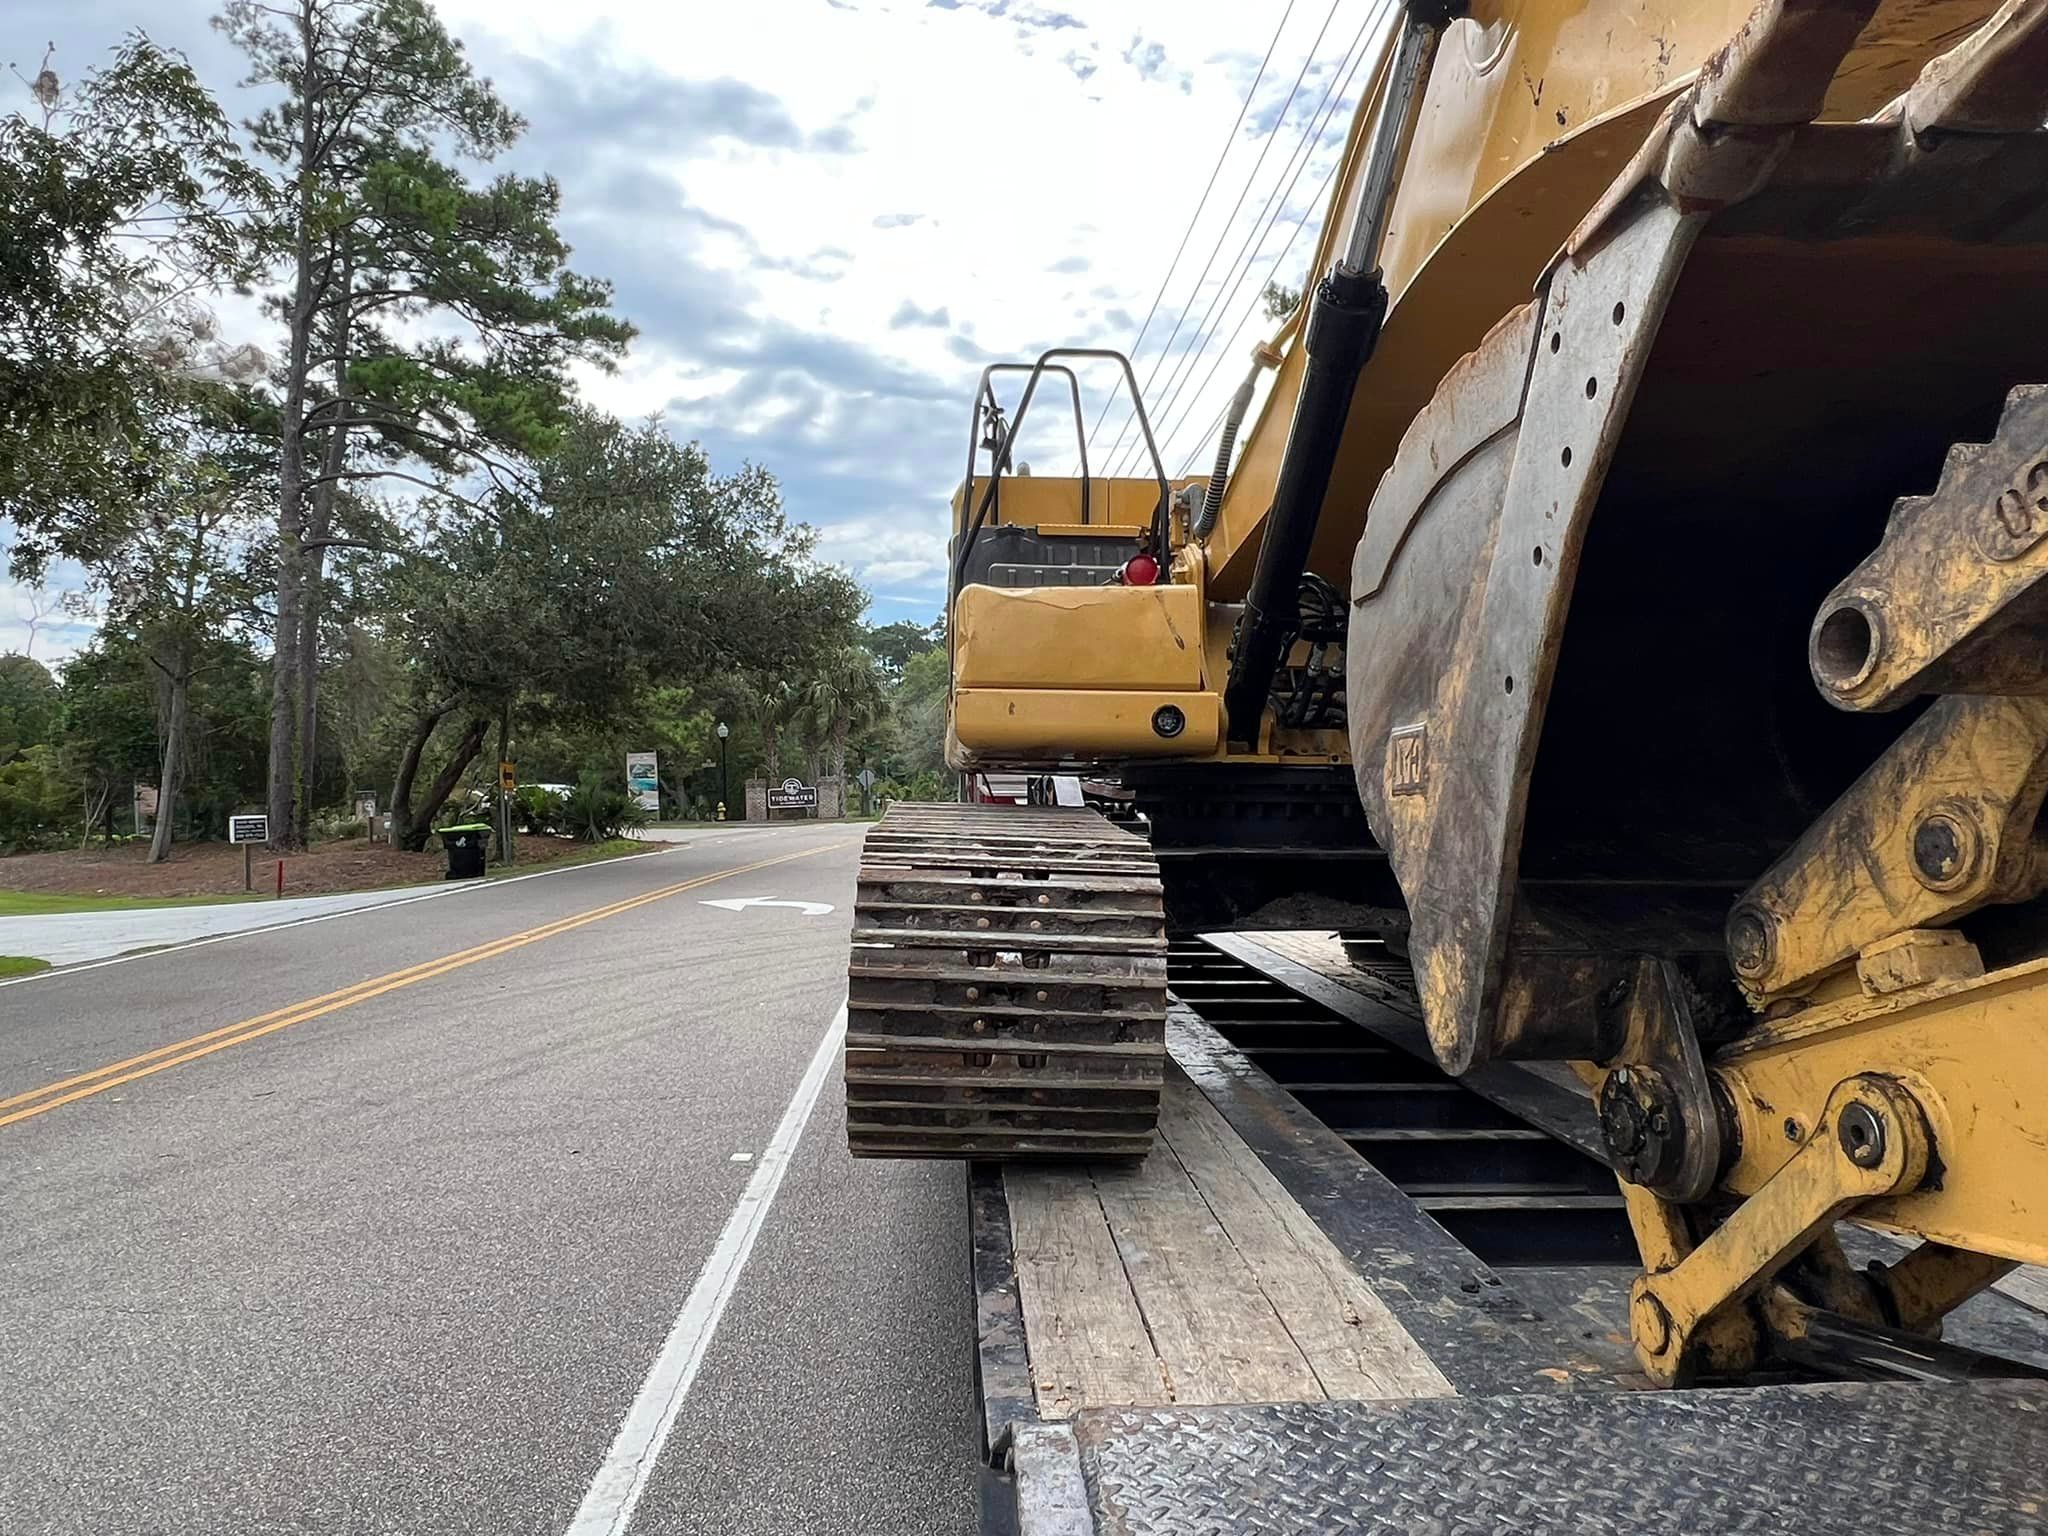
(21, 965)
(44, 903)
(618, 847)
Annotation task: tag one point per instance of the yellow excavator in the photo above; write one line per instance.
(1629, 601)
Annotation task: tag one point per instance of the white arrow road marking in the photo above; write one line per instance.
(741, 903)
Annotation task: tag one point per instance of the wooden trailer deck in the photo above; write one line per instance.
(1194, 1278)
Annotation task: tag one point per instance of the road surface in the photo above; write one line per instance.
(472, 1215)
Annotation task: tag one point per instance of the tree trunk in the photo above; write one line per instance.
(401, 835)
(840, 730)
(180, 683)
(466, 749)
(771, 750)
(291, 467)
(319, 524)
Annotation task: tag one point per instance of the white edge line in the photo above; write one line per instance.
(464, 888)
(608, 1505)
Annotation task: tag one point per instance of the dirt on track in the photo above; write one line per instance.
(215, 869)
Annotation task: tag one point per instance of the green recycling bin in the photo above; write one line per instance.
(466, 844)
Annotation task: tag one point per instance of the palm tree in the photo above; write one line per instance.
(843, 696)
(776, 704)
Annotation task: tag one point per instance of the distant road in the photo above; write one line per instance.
(448, 1216)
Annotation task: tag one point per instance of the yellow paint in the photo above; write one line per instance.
(1035, 501)
(1812, 1186)
(994, 726)
(1532, 110)
(114, 1074)
(1975, 1055)
(1079, 637)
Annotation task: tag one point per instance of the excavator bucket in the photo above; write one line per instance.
(1583, 710)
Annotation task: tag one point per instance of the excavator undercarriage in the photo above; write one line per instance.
(1693, 640)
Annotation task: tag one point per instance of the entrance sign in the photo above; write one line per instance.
(643, 780)
(792, 795)
(248, 829)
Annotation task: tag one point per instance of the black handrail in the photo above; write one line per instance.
(987, 392)
(1160, 513)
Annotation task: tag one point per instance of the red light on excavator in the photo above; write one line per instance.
(1139, 571)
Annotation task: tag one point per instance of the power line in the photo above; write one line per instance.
(1195, 217)
(1228, 221)
(1195, 452)
(1276, 203)
(1244, 319)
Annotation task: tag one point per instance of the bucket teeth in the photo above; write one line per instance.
(1994, 81)
(1007, 994)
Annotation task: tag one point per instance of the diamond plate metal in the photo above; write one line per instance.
(1818, 1460)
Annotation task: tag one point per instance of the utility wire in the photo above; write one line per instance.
(1194, 218)
(1243, 320)
(1276, 204)
(1236, 208)
(1201, 442)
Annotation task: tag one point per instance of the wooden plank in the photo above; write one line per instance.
(2027, 1285)
(1218, 1339)
(1354, 1345)
(1086, 1336)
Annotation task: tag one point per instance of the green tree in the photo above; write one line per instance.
(109, 729)
(893, 645)
(628, 566)
(844, 695)
(1279, 300)
(29, 705)
(918, 716)
(123, 203)
(430, 322)
(180, 584)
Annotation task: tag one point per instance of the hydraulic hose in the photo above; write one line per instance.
(1344, 322)
(1233, 419)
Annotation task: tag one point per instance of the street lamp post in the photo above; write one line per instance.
(724, 783)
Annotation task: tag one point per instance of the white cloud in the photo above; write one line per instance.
(827, 215)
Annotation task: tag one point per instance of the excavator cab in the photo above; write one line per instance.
(1074, 639)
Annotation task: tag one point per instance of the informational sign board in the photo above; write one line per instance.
(508, 776)
(643, 779)
(366, 805)
(792, 795)
(248, 829)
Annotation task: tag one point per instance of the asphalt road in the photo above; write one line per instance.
(397, 1254)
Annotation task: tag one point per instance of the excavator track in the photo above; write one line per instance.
(1007, 991)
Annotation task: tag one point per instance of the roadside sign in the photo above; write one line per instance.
(248, 829)
(865, 778)
(643, 779)
(792, 795)
(508, 777)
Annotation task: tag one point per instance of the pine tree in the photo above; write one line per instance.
(430, 320)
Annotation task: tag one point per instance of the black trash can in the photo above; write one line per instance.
(466, 845)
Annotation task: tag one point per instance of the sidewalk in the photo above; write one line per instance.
(69, 938)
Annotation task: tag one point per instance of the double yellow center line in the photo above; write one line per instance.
(50, 1096)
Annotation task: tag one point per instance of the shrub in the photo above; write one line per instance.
(37, 803)
(539, 810)
(337, 824)
(596, 811)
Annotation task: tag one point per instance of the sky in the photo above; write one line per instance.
(826, 216)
